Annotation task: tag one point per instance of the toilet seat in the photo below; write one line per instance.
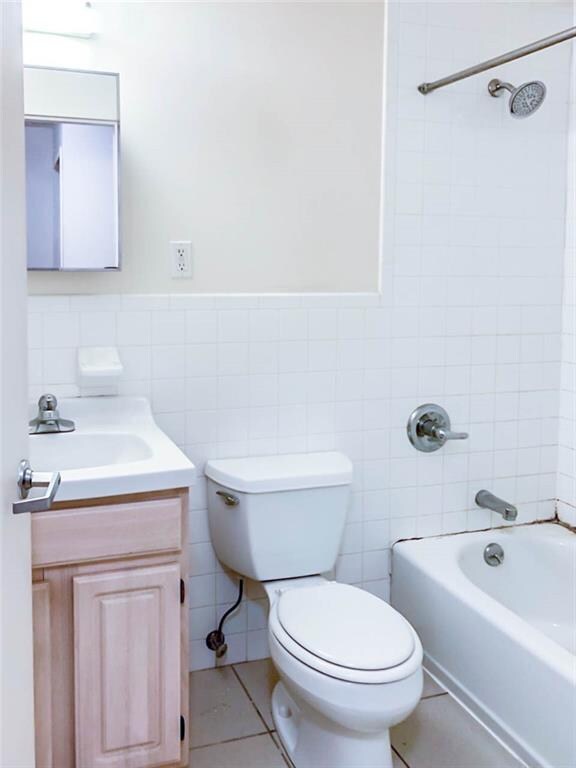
(346, 633)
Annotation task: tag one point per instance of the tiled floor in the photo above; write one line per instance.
(231, 726)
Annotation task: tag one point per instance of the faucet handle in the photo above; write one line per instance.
(48, 419)
(443, 434)
(429, 428)
(47, 402)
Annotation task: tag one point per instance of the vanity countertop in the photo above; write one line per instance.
(117, 448)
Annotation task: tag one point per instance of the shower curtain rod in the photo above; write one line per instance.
(518, 53)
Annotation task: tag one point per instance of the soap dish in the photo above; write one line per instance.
(99, 370)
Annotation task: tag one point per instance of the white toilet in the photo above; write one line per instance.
(350, 666)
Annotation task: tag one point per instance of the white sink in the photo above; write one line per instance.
(117, 448)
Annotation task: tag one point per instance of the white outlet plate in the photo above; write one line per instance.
(181, 258)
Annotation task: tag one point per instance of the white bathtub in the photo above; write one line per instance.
(502, 638)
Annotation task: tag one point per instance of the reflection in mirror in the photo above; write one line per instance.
(71, 195)
(72, 130)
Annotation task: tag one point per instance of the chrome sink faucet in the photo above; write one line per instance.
(487, 500)
(48, 418)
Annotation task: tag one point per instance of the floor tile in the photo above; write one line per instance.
(259, 677)
(397, 762)
(441, 734)
(252, 752)
(219, 708)
(278, 743)
(431, 687)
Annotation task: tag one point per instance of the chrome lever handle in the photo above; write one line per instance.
(446, 434)
(429, 428)
(28, 479)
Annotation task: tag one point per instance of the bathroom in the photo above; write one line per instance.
(303, 249)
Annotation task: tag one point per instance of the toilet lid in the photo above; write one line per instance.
(346, 626)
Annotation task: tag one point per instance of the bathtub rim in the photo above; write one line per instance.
(426, 560)
(447, 572)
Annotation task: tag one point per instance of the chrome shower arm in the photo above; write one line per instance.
(517, 53)
(495, 87)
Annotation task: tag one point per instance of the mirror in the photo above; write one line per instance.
(71, 135)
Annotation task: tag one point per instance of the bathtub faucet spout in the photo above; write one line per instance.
(487, 500)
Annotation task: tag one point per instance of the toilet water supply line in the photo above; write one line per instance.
(216, 640)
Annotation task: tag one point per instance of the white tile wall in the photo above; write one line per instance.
(567, 439)
(469, 316)
(220, 398)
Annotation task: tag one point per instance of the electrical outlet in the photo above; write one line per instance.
(181, 258)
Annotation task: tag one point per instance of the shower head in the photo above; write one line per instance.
(524, 100)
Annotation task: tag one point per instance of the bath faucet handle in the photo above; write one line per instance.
(429, 428)
(443, 434)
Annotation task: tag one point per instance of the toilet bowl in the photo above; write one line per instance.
(350, 666)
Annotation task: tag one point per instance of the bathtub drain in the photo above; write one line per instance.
(494, 554)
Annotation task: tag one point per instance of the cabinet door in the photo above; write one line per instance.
(42, 674)
(127, 667)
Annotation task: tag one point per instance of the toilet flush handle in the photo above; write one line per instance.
(229, 499)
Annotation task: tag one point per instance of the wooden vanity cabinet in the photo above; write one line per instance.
(111, 633)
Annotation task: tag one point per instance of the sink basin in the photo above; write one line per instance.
(117, 449)
(73, 450)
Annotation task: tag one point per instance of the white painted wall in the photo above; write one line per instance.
(251, 129)
(469, 317)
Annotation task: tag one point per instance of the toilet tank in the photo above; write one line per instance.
(278, 517)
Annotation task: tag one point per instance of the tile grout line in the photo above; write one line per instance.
(434, 696)
(247, 692)
(230, 741)
(278, 743)
(270, 731)
(399, 756)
